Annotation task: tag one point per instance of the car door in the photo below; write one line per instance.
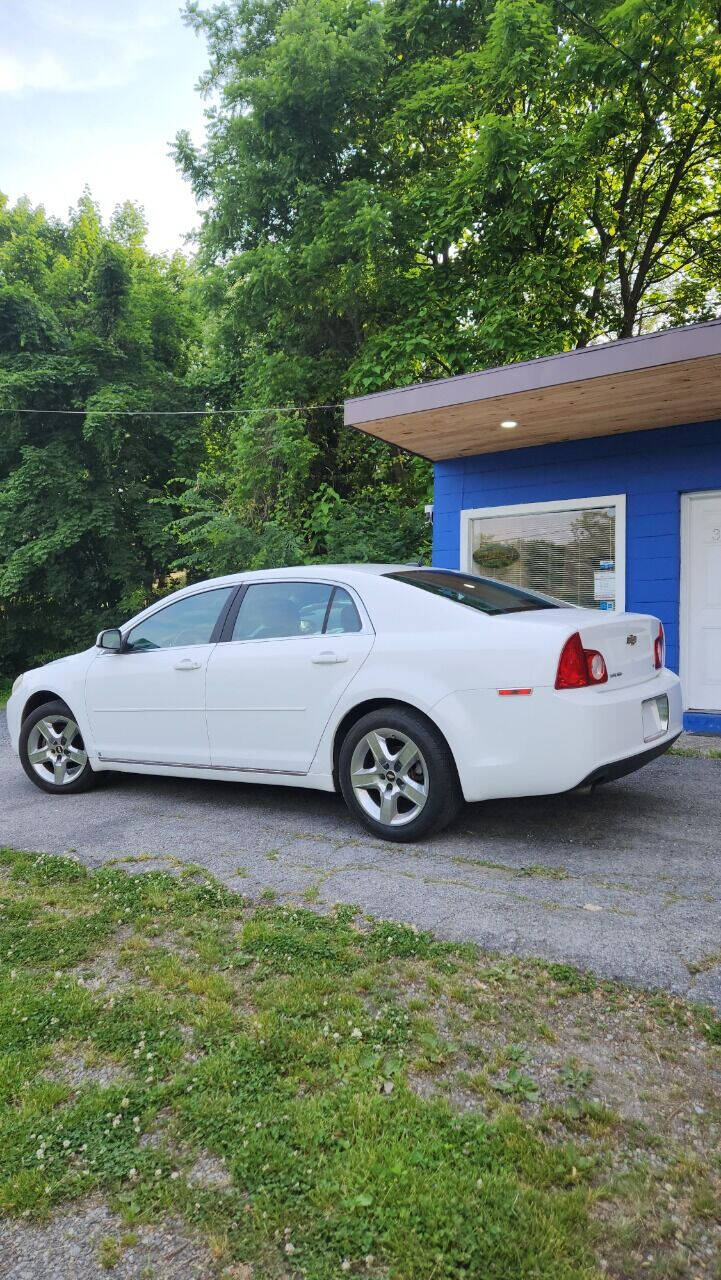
(294, 648)
(146, 703)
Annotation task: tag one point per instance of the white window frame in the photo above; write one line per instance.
(615, 500)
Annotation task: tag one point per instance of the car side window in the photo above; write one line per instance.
(188, 621)
(275, 610)
(343, 617)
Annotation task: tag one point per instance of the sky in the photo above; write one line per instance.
(92, 93)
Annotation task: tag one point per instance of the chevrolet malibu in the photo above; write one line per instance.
(407, 689)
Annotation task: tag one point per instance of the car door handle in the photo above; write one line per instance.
(187, 664)
(327, 658)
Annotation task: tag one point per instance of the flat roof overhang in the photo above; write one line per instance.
(656, 380)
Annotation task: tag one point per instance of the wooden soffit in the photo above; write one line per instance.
(657, 380)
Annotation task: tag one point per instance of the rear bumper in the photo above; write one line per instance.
(620, 768)
(552, 741)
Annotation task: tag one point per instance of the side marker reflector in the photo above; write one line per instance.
(513, 693)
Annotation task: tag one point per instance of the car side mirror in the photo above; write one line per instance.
(111, 640)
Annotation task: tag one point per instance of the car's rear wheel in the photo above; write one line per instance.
(52, 751)
(398, 776)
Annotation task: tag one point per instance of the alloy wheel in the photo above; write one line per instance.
(56, 750)
(389, 777)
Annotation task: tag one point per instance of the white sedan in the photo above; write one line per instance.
(407, 689)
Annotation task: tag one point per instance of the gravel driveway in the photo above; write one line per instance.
(626, 881)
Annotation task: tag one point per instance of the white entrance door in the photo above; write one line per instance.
(701, 575)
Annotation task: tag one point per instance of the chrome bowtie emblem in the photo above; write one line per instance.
(631, 638)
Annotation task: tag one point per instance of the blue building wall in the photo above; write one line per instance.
(653, 469)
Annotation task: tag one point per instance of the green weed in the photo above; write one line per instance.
(150, 1021)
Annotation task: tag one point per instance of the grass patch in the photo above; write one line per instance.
(5, 688)
(544, 872)
(709, 961)
(318, 1095)
(109, 1253)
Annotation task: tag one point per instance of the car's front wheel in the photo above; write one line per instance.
(398, 776)
(52, 751)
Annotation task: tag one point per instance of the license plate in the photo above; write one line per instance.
(655, 717)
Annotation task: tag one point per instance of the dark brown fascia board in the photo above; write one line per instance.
(647, 351)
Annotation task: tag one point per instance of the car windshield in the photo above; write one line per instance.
(485, 594)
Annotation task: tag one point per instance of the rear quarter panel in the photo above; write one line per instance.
(449, 662)
(422, 666)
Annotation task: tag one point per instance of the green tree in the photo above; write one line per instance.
(406, 190)
(91, 323)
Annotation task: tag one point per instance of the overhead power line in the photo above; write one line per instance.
(623, 53)
(180, 413)
(616, 47)
(310, 408)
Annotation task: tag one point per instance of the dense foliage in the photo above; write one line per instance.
(89, 322)
(403, 190)
(392, 192)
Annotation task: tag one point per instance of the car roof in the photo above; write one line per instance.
(303, 571)
(353, 575)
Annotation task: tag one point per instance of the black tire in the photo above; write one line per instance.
(436, 768)
(82, 780)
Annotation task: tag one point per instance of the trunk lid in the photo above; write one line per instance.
(624, 639)
(626, 642)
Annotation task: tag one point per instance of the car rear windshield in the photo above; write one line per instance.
(479, 593)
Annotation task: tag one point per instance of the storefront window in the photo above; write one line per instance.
(566, 551)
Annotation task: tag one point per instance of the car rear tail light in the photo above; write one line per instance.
(659, 648)
(572, 673)
(579, 667)
(596, 666)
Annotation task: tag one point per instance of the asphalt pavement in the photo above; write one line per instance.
(625, 881)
